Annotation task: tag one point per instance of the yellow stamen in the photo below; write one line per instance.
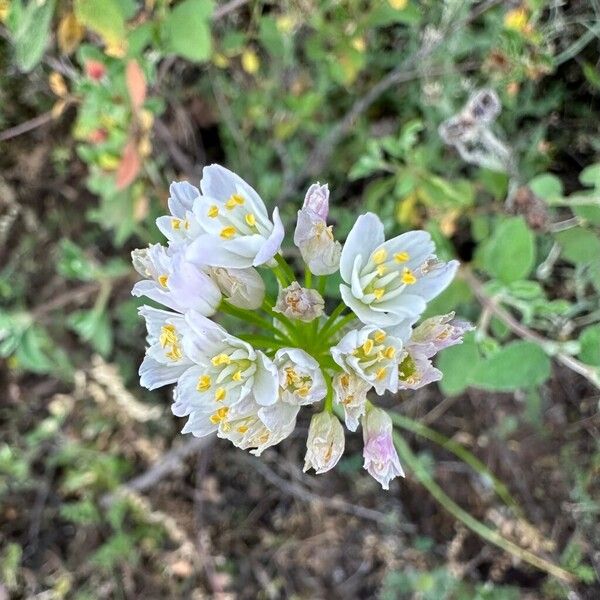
(175, 223)
(242, 429)
(303, 391)
(389, 352)
(368, 346)
(250, 219)
(220, 394)
(227, 232)
(234, 200)
(204, 383)
(163, 279)
(345, 380)
(381, 373)
(237, 376)
(168, 335)
(175, 353)
(380, 256)
(408, 277)
(379, 336)
(186, 224)
(381, 270)
(378, 293)
(401, 257)
(218, 416)
(213, 211)
(220, 359)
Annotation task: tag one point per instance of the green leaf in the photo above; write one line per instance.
(187, 30)
(590, 176)
(457, 365)
(30, 26)
(106, 18)
(510, 255)
(93, 326)
(547, 186)
(72, 262)
(517, 365)
(579, 245)
(590, 345)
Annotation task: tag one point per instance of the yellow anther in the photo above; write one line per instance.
(401, 257)
(234, 200)
(242, 429)
(380, 256)
(219, 416)
(175, 352)
(368, 346)
(227, 232)
(237, 376)
(220, 394)
(378, 293)
(175, 224)
(168, 335)
(389, 352)
(186, 224)
(379, 336)
(408, 277)
(163, 280)
(345, 380)
(250, 219)
(380, 373)
(220, 359)
(213, 211)
(381, 270)
(204, 383)
(264, 438)
(303, 391)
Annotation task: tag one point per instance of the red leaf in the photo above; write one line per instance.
(129, 167)
(136, 84)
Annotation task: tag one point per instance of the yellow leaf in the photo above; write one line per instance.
(516, 19)
(70, 33)
(359, 44)
(220, 60)
(250, 61)
(116, 49)
(398, 4)
(58, 85)
(4, 10)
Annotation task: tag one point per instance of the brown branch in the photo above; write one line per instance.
(30, 125)
(591, 373)
(225, 9)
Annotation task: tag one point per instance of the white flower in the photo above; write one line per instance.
(436, 333)
(313, 237)
(225, 371)
(300, 379)
(300, 303)
(165, 360)
(381, 458)
(388, 282)
(236, 230)
(351, 392)
(180, 226)
(415, 369)
(243, 288)
(249, 425)
(325, 443)
(372, 355)
(174, 282)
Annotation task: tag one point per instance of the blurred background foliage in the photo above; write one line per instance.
(102, 104)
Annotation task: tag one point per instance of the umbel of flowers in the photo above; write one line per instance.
(249, 388)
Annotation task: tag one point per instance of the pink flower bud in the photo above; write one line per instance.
(299, 303)
(317, 200)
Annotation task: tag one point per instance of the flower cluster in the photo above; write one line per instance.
(249, 388)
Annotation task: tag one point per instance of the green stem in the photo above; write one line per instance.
(261, 341)
(341, 323)
(421, 473)
(307, 277)
(328, 405)
(287, 323)
(249, 316)
(459, 451)
(339, 309)
(287, 270)
(321, 284)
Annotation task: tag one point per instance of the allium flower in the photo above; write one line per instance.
(371, 354)
(165, 360)
(300, 303)
(351, 392)
(180, 226)
(325, 443)
(173, 281)
(313, 237)
(243, 288)
(381, 458)
(225, 371)
(251, 388)
(388, 282)
(236, 230)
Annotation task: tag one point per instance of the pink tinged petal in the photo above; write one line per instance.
(317, 200)
(272, 244)
(364, 237)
